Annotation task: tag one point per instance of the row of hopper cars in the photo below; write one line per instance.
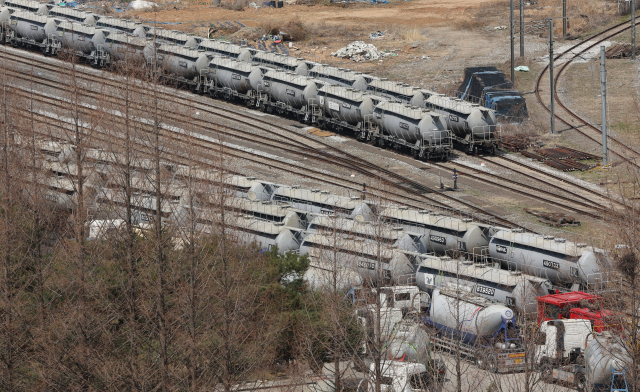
(424, 123)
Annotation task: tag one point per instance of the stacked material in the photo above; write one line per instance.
(360, 51)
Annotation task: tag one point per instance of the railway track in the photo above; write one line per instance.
(346, 160)
(570, 56)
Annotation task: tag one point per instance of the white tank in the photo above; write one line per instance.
(322, 275)
(122, 46)
(232, 74)
(5, 14)
(472, 315)
(177, 60)
(292, 89)
(80, 37)
(409, 342)
(32, 26)
(603, 353)
(345, 104)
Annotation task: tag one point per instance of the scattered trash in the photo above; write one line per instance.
(425, 58)
(254, 5)
(522, 68)
(141, 4)
(500, 28)
(376, 35)
(359, 51)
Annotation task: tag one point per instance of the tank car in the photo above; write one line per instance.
(322, 202)
(83, 39)
(396, 92)
(26, 5)
(344, 107)
(179, 61)
(562, 262)
(125, 47)
(340, 76)
(512, 288)
(227, 49)
(172, 37)
(371, 260)
(472, 124)
(282, 62)
(423, 132)
(442, 233)
(286, 91)
(32, 29)
(467, 316)
(384, 234)
(602, 354)
(321, 275)
(125, 26)
(73, 15)
(230, 77)
(265, 210)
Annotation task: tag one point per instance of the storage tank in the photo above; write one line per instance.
(409, 123)
(32, 26)
(177, 60)
(512, 288)
(227, 49)
(294, 90)
(561, 261)
(232, 74)
(470, 316)
(339, 76)
(122, 46)
(604, 352)
(322, 275)
(80, 37)
(345, 104)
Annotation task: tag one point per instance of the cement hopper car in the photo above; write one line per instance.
(120, 25)
(371, 260)
(322, 275)
(339, 76)
(322, 202)
(562, 262)
(172, 37)
(179, 61)
(36, 7)
(80, 38)
(512, 288)
(5, 15)
(384, 234)
(265, 210)
(282, 62)
(396, 92)
(73, 15)
(603, 353)
(125, 47)
(412, 124)
(442, 233)
(227, 49)
(30, 28)
(344, 104)
(233, 75)
(290, 89)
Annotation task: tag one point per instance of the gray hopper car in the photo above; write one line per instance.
(560, 261)
(79, 37)
(26, 5)
(33, 29)
(324, 203)
(396, 92)
(227, 49)
(73, 15)
(171, 37)
(340, 76)
(442, 234)
(293, 90)
(512, 288)
(125, 26)
(233, 77)
(423, 132)
(344, 104)
(125, 47)
(282, 62)
(180, 61)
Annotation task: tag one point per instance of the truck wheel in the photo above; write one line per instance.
(580, 382)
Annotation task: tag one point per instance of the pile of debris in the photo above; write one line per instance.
(556, 219)
(359, 51)
(620, 51)
(515, 143)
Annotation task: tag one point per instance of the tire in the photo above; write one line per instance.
(579, 382)
(546, 372)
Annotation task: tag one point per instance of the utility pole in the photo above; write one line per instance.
(564, 19)
(521, 28)
(633, 29)
(511, 26)
(603, 94)
(552, 102)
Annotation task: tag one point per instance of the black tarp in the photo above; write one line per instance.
(490, 87)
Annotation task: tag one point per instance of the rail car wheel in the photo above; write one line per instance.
(249, 103)
(414, 153)
(381, 142)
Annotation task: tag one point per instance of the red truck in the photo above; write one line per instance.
(574, 305)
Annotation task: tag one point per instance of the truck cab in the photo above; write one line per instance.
(558, 306)
(408, 299)
(562, 341)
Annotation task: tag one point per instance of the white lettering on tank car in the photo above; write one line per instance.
(551, 264)
(366, 264)
(236, 77)
(291, 92)
(404, 125)
(438, 239)
(501, 249)
(454, 118)
(485, 290)
(346, 105)
(334, 106)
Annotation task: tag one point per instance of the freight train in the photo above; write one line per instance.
(398, 116)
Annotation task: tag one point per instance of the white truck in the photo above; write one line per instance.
(560, 351)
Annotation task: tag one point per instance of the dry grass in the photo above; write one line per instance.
(414, 35)
(469, 24)
(296, 29)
